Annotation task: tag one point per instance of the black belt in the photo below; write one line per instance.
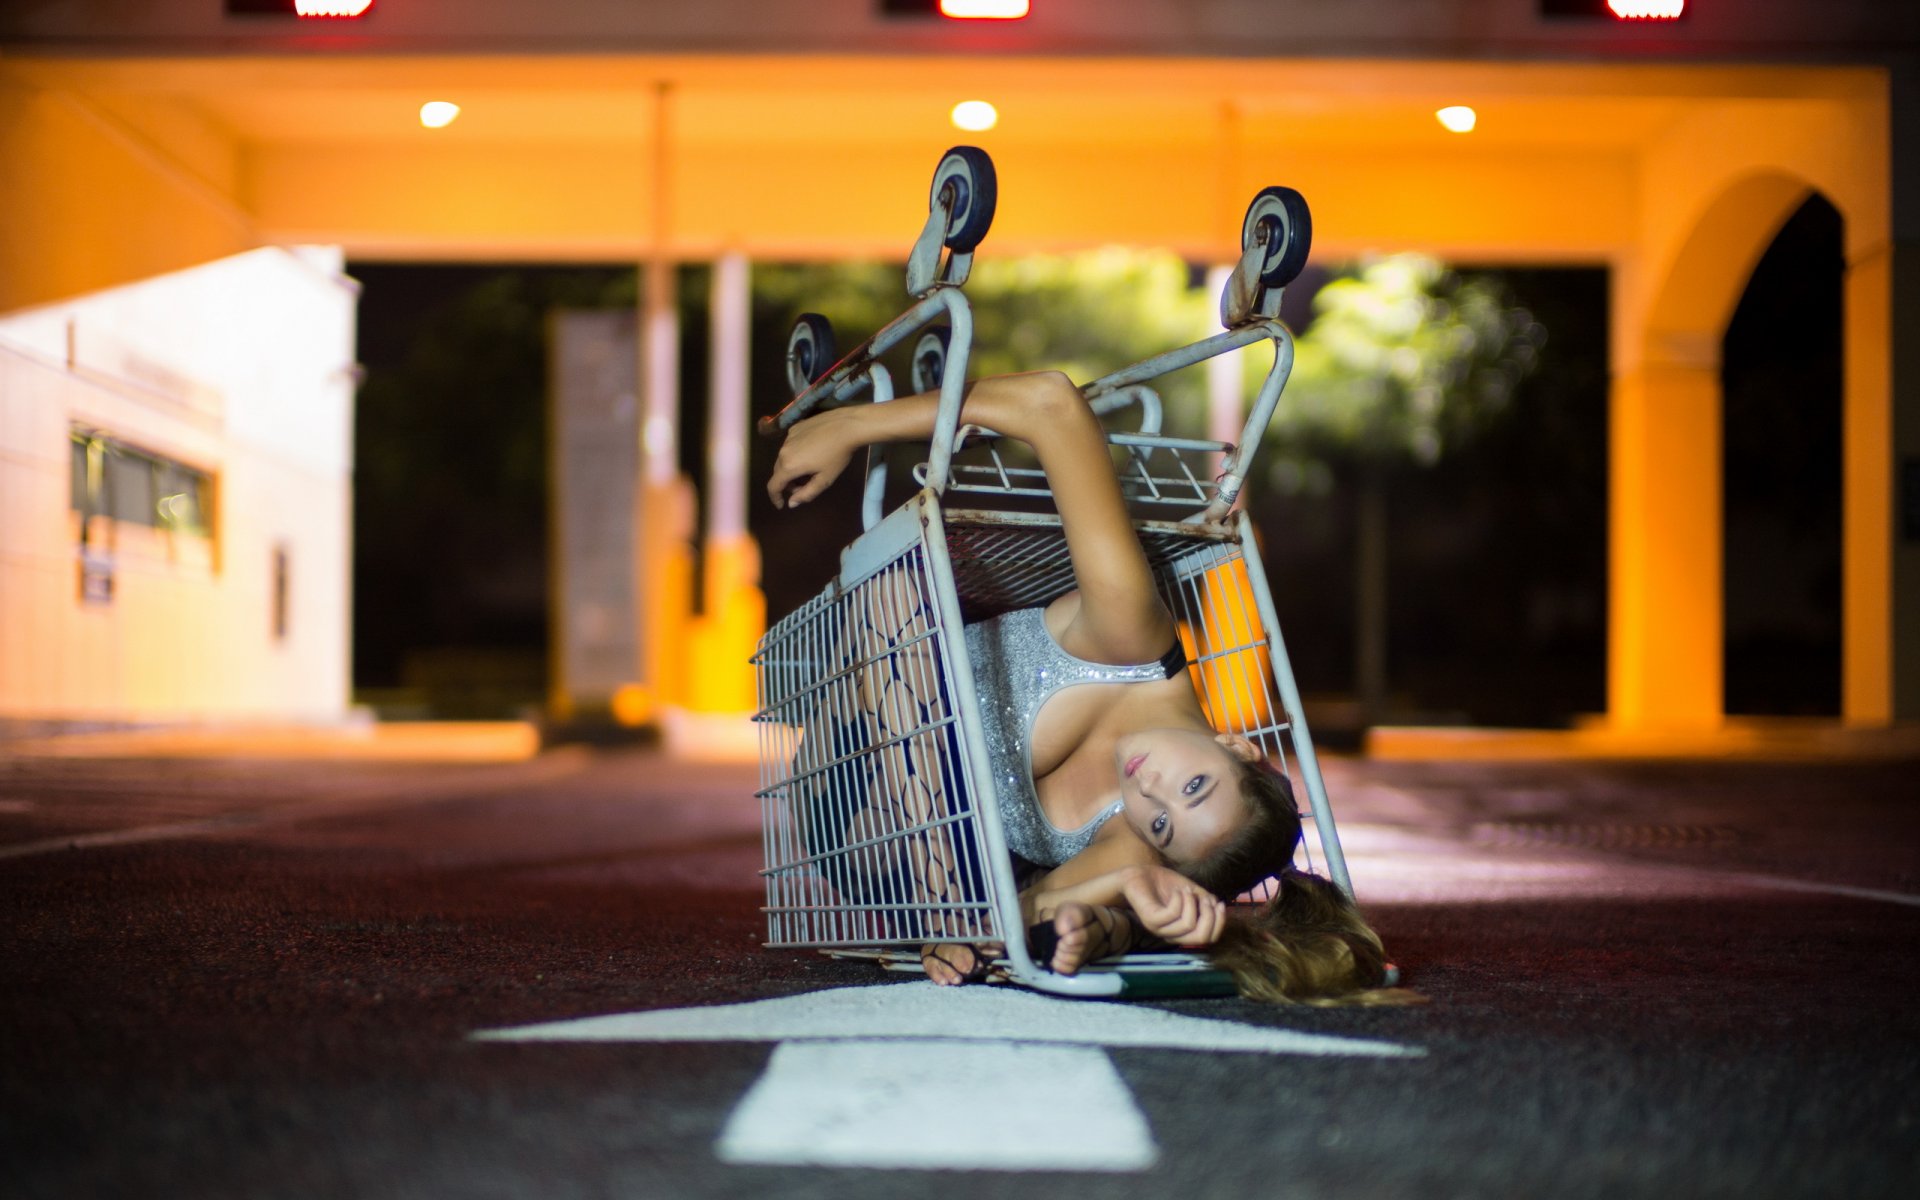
(1174, 660)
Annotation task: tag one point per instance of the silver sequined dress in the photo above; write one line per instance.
(1017, 666)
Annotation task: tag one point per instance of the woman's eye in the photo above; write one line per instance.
(1193, 785)
(1160, 822)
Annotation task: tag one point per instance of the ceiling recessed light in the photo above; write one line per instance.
(1458, 117)
(438, 114)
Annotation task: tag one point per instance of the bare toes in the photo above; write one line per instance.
(1070, 926)
(943, 970)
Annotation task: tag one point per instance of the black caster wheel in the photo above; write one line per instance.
(930, 358)
(811, 352)
(1278, 221)
(967, 172)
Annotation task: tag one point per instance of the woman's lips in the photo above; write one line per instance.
(1133, 764)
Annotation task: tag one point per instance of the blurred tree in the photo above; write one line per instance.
(1403, 361)
(1084, 314)
(1090, 314)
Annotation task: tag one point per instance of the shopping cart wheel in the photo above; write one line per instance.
(968, 172)
(810, 351)
(1278, 221)
(930, 358)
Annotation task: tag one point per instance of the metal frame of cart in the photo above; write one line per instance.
(881, 829)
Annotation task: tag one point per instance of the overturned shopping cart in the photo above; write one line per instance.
(880, 824)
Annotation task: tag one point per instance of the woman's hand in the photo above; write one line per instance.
(815, 452)
(1174, 908)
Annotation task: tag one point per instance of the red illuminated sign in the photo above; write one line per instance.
(319, 10)
(1637, 11)
(1647, 10)
(956, 10)
(984, 10)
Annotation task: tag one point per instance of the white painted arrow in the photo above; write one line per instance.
(923, 1010)
(925, 1077)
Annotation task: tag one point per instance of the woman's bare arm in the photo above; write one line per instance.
(1119, 617)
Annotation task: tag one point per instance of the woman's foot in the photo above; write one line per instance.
(951, 964)
(1085, 933)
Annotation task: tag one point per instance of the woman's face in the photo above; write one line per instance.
(1180, 788)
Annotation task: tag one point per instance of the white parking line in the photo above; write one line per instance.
(940, 1104)
(1805, 885)
(1406, 866)
(924, 1010)
(912, 1075)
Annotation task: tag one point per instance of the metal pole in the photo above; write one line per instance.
(660, 374)
(660, 318)
(663, 560)
(727, 430)
(735, 611)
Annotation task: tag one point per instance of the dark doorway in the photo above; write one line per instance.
(1497, 555)
(1780, 368)
(450, 482)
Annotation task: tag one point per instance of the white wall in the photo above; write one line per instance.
(242, 368)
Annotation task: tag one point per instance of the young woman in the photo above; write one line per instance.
(1107, 770)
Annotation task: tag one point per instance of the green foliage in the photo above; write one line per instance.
(858, 297)
(1085, 314)
(1404, 361)
(1088, 315)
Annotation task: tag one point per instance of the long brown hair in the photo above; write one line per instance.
(1308, 944)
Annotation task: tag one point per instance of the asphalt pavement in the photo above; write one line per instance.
(265, 978)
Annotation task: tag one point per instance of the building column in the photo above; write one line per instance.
(664, 501)
(1880, 677)
(664, 520)
(735, 613)
(1880, 681)
(1867, 484)
(1665, 613)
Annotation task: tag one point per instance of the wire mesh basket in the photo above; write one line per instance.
(880, 824)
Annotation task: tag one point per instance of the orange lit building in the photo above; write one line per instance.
(134, 144)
